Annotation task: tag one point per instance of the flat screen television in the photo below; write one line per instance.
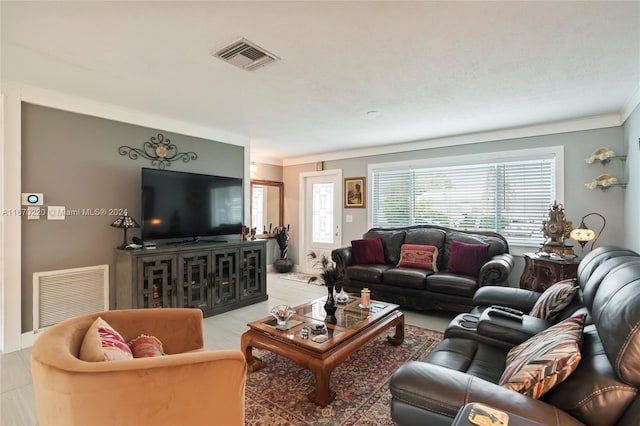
(189, 205)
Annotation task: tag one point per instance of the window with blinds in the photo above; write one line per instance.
(510, 197)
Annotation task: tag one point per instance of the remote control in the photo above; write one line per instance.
(507, 309)
(504, 314)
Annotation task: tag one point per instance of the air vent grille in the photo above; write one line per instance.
(245, 54)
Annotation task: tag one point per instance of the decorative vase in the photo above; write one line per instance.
(283, 265)
(330, 307)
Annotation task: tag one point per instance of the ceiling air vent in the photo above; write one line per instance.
(246, 55)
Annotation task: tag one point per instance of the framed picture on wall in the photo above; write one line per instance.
(354, 192)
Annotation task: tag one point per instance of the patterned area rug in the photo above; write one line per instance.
(277, 393)
(301, 277)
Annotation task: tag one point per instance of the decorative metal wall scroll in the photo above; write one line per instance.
(159, 150)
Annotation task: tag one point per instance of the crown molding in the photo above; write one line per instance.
(66, 102)
(586, 123)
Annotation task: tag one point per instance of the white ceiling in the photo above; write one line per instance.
(431, 69)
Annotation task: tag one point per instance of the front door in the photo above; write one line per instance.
(321, 208)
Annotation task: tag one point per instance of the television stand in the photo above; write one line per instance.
(214, 277)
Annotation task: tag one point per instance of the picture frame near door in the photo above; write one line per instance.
(355, 192)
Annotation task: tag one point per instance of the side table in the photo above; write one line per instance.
(541, 272)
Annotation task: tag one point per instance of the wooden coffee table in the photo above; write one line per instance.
(355, 327)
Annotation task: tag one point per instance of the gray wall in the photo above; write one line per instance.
(578, 200)
(632, 194)
(73, 159)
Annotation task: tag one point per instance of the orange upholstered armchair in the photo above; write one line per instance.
(189, 386)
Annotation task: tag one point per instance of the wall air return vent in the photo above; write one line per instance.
(245, 54)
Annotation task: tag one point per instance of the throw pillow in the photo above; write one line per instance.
(465, 258)
(103, 343)
(419, 256)
(367, 251)
(554, 299)
(545, 360)
(145, 346)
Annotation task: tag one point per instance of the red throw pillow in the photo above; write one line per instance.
(419, 256)
(146, 346)
(367, 251)
(467, 259)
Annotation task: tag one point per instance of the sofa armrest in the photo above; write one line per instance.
(496, 271)
(424, 393)
(144, 391)
(343, 258)
(179, 329)
(517, 298)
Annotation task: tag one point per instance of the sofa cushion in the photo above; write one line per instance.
(366, 273)
(426, 236)
(103, 343)
(406, 277)
(145, 346)
(419, 256)
(367, 251)
(392, 241)
(554, 299)
(469, 356)
(546, 359)
(593, 392)
(459, 285)
(467, 259)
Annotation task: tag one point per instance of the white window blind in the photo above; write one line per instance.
(511, 197)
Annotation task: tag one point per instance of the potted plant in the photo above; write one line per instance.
(283, 264)
(332, 278)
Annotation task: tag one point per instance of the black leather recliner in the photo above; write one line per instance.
(602, 391)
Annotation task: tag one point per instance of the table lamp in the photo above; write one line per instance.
(583, 235)
(125, 222)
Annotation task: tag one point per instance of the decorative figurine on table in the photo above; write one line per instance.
(283, 264)
(556, 229)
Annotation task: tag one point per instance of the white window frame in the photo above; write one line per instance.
(488, 157)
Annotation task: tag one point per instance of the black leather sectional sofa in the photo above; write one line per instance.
(466, 366)
(420, 288)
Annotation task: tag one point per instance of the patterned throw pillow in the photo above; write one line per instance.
(554, 300)
(103, 343)
(467, 259)
(419, 256)
(367, 251)
(145, 346)
(545, 360)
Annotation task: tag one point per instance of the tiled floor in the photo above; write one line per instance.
(17, 405)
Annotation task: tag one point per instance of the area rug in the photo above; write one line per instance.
(277, 393)
(301, 277)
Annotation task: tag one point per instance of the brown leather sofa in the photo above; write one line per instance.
(190, 386)
(420, 288)
(602, 391)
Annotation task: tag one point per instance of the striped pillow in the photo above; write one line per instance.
(145, 346)
(545, 360)
(103, 343)
(554, 300)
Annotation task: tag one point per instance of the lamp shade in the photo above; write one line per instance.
(125, 221)
(583, 235)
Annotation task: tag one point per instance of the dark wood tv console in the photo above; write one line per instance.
(213, 276)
